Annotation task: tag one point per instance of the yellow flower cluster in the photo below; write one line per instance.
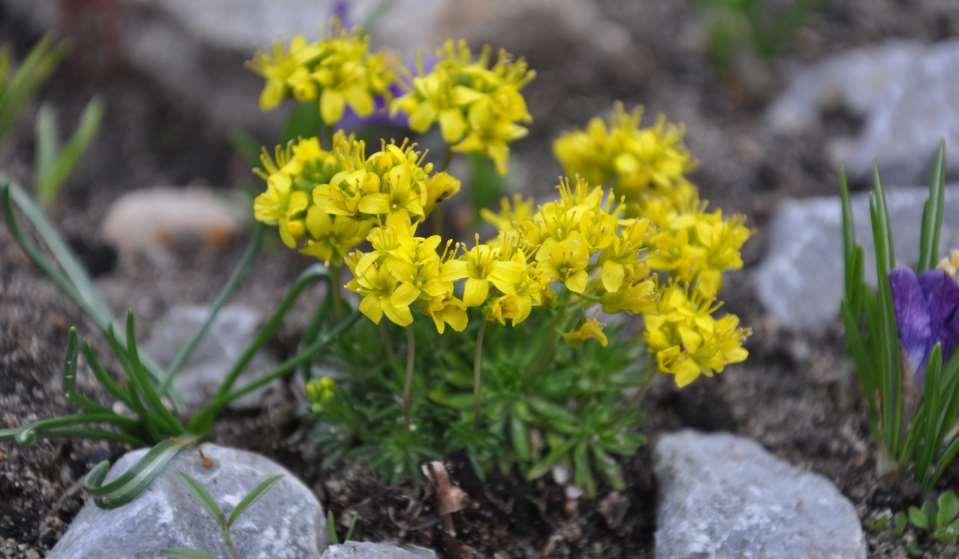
(337, 71)
(688, 340)
(478, 106)
(639, 164)
(325, 202)
(320, 392)
(688, 245)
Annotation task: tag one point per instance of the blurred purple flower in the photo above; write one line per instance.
(341, 11)
(927, 312)
(352, 122)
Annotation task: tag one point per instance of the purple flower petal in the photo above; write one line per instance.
(912, 316)
(942, 299)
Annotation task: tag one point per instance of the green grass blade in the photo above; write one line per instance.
(888, 341)
(141, 378)
(47, 145)
(331, 528)
(35, 69)
(932, 214)
(241, 271)
(251, 498)
(56, 174)
(137, 479)
(30, 432)
(205, 499)
(927, 427)
(106, 380)
(187, 553)
(70, 377)
(947, 457)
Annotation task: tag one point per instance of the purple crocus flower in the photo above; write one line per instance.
(341, 11)
(927, 312)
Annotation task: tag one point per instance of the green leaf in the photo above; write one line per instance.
(918, 518)
(556, 453)
(519, 437)
(932, 214)
(47, 143)
(186, 553)
(252, 497)
(899, 523)
(609, 468)
(70, 378)
(205, 499)
(582, 472)
(331, 528)
(54, 175)
(137, 479)
(948, 509)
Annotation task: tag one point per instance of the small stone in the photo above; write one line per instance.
(801, 279)
(163, 217)
(904, 90)
(367, 550)
(286, 522)
(725, 496)
(229, 335)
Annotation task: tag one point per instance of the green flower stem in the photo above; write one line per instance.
(636, 398)
(204, 418)
(335, 293)
(241, 271)
(388, 347)
(408, 377)
(477, 373)
(312, 274)
(313, 330)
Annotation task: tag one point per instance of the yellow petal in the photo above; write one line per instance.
(452, 124)
(398, 315)
(405, 294)
(331, 106)
(370, 306)
(577, 282)
(475, 292)
(377, 203)
(612, 275)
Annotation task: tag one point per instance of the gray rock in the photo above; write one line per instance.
(231, 332)
(906, 91)
(367, 550)
(287, 521)
(801, 279)
(724, 496)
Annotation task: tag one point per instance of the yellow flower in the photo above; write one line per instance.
(321, 392)
(687, 340)
(482, 266)
(478, 106)
(950, 264)
(381, 293)
(565, 261)
(339, 70)
(590, 329)
(332, 236)
(283, 70)
(511, 212)
(447, 310)
(638, 163)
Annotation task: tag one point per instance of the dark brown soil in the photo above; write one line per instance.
(796, 394)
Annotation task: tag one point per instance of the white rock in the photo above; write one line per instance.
(152, 218)
(906, 91)
(801, 279)
(724, 496)
(229, 335)
(367, 550)
(286, 522)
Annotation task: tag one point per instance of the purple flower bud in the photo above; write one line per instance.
(926, 314)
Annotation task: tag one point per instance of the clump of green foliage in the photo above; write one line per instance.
(911, 385)
(936, 520)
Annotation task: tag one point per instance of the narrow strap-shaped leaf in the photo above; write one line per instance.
(205, 499)
(931, 399)
(251, 498)
(56, 174)
(555, 454)
(314, 273)
(144, 386)
(203, 420)
(93, 433)
(187, 553)
(137, 479)
(242, 268)
(947, 457)
(848, 234)
(932, 214)
(70, 378)
(107, 380)
(29, 433)
(888, 345)
(79, 286)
